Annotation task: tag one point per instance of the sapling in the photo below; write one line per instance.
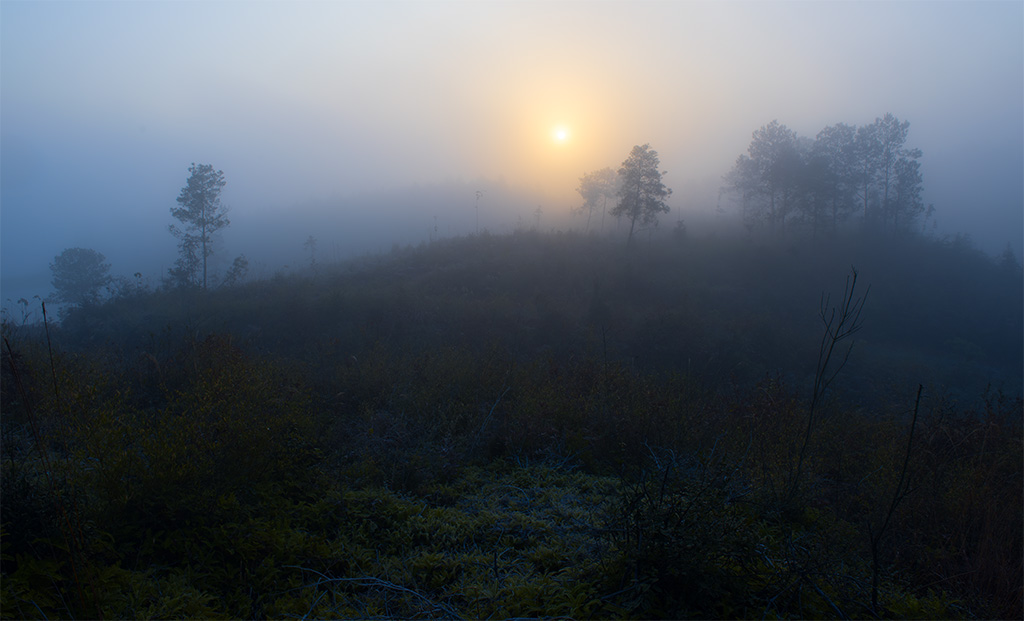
(901, 491)
(841, 322)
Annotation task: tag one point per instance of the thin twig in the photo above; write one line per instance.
(849, 323)
(897, 496)
(377, 582)
(488, 417)
(814, 586)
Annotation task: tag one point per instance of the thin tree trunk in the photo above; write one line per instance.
(604, 208)
(204, 257)
(635, 213)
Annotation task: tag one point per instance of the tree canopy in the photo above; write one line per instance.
(787, 181)
(641, 193)
(79, 274)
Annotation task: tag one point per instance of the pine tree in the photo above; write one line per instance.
(201, 214)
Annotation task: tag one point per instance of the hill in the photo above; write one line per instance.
(528, 425)
(728, 311)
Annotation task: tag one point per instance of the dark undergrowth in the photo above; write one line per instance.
(523, 426)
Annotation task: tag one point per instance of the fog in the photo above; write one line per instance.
(370, 124)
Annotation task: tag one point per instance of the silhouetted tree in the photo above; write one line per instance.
(202, 215)
(770, 180)
(812, 191)
(906, 205)
(479, 194)
(310, 245)
(866, 150)
(743, 181)
(882, 157)
(891, 135)
(78, 275)
(596, 188)
(238, 271)
(775, 155)
(641, 193)
(187, 266)
(844, 168)
(834, 150)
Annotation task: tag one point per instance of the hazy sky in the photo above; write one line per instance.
(103, 105)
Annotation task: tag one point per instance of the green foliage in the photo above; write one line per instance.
(102, 482)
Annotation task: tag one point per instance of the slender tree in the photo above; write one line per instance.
(906, 204)
(892, 135)
(310, 245)
(867, 153)
(479, 194)
(201, 215)
(641, 193)
(813, 191)
(596, 188)
(881, 158)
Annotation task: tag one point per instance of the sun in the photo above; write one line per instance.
(560, 134)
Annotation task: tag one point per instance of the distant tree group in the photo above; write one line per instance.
(786, 181)
(638, 187)
(78, 275)
(201, 214)
(596, 188)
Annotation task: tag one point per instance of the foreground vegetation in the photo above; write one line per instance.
(526, 426)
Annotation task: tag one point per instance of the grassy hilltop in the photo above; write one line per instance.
(528, 425)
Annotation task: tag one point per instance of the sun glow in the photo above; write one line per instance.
(560, 134)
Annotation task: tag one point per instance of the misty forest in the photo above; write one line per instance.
(812, 413)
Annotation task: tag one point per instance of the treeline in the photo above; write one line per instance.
(854, 178)
(846, 174)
